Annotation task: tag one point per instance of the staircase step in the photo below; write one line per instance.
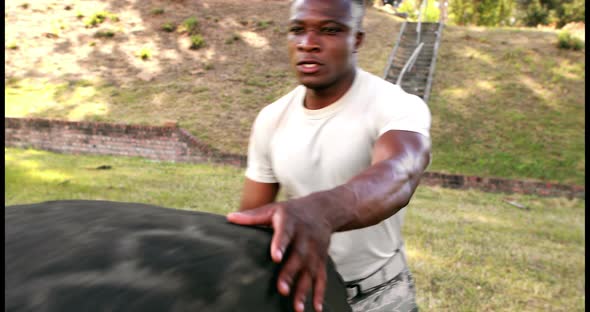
(415, 80)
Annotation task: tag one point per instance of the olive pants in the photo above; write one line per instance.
(397, 295)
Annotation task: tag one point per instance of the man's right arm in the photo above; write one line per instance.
(256, 194)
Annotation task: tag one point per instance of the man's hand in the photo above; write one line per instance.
(302, 234)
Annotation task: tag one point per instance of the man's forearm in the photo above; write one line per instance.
(374, 195)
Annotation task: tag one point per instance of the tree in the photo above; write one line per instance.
(481, 12)
(559, 12)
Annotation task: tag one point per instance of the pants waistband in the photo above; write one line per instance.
(394, 266)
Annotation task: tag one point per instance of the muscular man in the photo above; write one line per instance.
(348, 149)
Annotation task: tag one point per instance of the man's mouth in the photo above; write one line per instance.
(308, 66)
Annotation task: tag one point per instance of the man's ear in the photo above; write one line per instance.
(358, 40)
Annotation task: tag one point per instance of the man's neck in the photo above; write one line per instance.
(320, 98)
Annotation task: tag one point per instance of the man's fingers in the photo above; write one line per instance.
(319, 287)
(302, 289)
(290, 269)
(283, 234)
(258, 216)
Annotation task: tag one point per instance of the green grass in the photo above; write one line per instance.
(105, 33)
(100, 17)
(33, 176)
(168, 27)
(508, 103)
(197, 42)
(471, 251)
(190, 25)
(157, 11)
(264, 24)
(566, 40)
(468, 250)
(144, 53)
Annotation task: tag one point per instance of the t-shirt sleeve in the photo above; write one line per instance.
(259, 165)
(403, 111)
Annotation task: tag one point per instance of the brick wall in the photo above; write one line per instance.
(170, 143)
(497, 185)
(165, 143)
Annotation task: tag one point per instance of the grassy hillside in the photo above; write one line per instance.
(508, 102)
(505, 102)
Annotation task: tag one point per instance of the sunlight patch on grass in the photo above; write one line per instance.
(84, 110)
(485, 85)
(475, 217)
(568, 70)
(210, 53)
(477, 54)
(538, 89)
(74, 100)
(33, 169)
(27, 97)
(33, 176)
(457, 93)
(255, 40)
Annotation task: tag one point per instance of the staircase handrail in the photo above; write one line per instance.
(392, 54)
(434, 54)
(409, 62)
(419, 25)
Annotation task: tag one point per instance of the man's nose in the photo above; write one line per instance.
(309, 42)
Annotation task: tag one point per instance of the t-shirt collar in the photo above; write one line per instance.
(332, 108)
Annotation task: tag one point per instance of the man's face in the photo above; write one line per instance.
(322, 41)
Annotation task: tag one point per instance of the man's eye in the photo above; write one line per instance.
(295, 29)
(331, 30)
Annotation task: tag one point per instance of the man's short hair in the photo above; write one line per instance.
(358, 12)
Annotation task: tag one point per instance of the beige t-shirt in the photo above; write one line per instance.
(307, 151)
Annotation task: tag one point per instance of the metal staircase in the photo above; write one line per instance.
(412, 61)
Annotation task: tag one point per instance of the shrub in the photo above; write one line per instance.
(190, 25)
(144, 53)
(431, 13)
(481, 12)
(157, 11)
(536, 13)
(409, 7)
(168, 27)
(197, 42)
(12, 46)
(567, 41)
(96, 19)
(105, 33)
(99, 17)
(264, 24)
(232, 39)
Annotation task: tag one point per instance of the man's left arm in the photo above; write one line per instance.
(303, 226)
(399, 159)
